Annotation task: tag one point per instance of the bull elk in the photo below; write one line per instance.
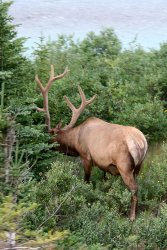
(114, 148)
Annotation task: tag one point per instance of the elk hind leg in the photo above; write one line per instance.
(137, 169)
(130, 181)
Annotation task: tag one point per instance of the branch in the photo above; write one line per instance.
(55, 212)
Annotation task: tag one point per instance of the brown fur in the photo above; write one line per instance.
(114, 148)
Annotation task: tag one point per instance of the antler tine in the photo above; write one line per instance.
(70, 105)
(91, 100)
(61, 75)
(84, 101)
(83, 98)
(52, 73)
(54, 78)
(77, 112)
(39, 83)
(45, 90)
(42, 91)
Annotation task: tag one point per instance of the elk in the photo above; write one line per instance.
(116, 149)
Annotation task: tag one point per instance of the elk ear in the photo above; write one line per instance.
(52, 131)
(59, 125)
(56, 129)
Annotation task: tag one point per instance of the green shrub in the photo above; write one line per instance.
(152, 180)
(97, 213)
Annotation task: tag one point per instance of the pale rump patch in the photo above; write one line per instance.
(137, 148)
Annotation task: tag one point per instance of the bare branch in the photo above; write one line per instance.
(58, 208)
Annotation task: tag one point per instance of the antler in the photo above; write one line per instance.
(45, 90)
(76, 112)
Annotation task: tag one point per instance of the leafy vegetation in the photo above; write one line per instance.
(44, 202)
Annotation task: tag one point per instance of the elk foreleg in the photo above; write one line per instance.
(104, 175)
(87, 169)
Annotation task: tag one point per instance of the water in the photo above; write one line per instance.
(146, 20)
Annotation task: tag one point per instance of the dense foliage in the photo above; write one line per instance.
(43, 199)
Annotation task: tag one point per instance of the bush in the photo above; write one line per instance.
(97, 213)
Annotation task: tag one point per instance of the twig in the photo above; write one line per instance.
(66, 197)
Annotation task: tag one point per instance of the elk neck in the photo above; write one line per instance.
(68, 140)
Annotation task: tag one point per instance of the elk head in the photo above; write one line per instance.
(76, 112)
